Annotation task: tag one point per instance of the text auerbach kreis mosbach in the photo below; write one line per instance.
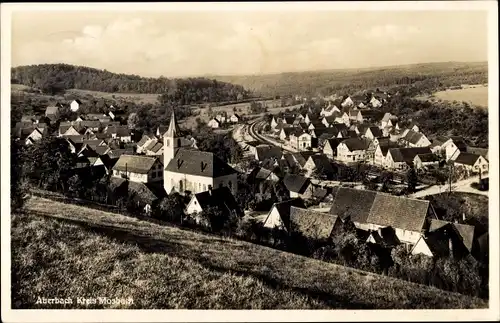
(86, 301)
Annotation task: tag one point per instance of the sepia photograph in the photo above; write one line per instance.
(289, 156)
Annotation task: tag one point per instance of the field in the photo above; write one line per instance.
(132, 97)
(477, 96)
(66, 250)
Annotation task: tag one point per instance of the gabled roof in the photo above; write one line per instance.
(135, 163)
(101, 150)
(115, 153)
(156, 148)
(151, 144)
(312, 224)
(356, 144)
(220, 197)
(467, 159)
(371, 114)
(479, 151)
(334, 142)
(464, 231)
(52, 110)
(259, 173)
(322, 163)
(427, 158)
(377, 133)
(407, 155)
(398, 212)
(143, 140)
(356, 204)
(412, 136)
(200, 163)
(90, 123)
(284, 209)
(296, 183)
(265, 152)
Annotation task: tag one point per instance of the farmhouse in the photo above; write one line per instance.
(319, 164)
(354, 205)
(75, 105)
(298, 186)
(302, 141)
(415, 139)
(402, 158)
(279, 215)
(220, 198)
(472, 163)
(143, 169)
(352, 150)
(235, 118)
(312, 224)
(214, 123)
(425, 160)
(330, 147)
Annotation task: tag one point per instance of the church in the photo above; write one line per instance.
(189, 169)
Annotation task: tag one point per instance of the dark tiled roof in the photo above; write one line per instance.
(266, 152)
(312, 224)
(156, 147)
(201, 163)
(464, 231)
(356, 144)
(377, 133)
(407, 155)
(101, 150)
(322, 163)
(372, 114)
(115, 153)
(353, 203)
(135, 163)
(425, 158)
(284, 209)
(143, 140)
(334, 142)
(479, 151)
(254, 143)
(467, 159)
(398, 212)
(296, 183)
(413, 137)
(220, 197)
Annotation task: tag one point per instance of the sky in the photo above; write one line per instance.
(197, 43)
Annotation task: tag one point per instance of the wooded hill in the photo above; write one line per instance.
(55, 78)
(425, 78)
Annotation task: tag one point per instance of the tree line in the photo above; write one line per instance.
(56, 78)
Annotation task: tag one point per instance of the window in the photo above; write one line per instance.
(204, 187)
(199, 186)
(153, 175)
(160, 173)
(178, 142)
(168, 142)
(181, 186)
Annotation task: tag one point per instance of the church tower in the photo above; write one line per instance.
(171, 140)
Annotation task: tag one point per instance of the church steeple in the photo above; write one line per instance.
(173, 128)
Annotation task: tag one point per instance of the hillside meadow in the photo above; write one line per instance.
(63, 250)
(476, 96)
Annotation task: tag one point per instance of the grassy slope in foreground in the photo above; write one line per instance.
(95, 253)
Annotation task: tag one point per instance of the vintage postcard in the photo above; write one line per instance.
(284, 161)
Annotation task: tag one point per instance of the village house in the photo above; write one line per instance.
(414, 139)
(453, 147)
(155, 149)
(347, 102)
(279, 215)
(472, 163)
(119, 132)
(444, 239)
(406, 216)
(74, 106)
(353, 205)
(192, 170)
(315, 124)
(220, 198)
(275, 122)
(221, 118)
(302, 141)
(135, 168)
(235, 118)
(36, 135)
(143, 143)
(381, 150)
(332, 119)
(375, 102)
(251, 146)
(261, 174)
(330, 147)
(424, 161)
(264, 152)
(214, 123)
(403, 158)
(286, 131)
(369, 115)
(314, 225)
(298, 186)
(387, 120)
(329, 110)
(52, 112)
(352, 150)
(373, 133)
(319, 164)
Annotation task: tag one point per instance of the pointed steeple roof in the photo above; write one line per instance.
(173, 128)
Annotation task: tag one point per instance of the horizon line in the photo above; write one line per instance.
(214, 75)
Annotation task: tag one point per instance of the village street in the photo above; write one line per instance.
(460, 186)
